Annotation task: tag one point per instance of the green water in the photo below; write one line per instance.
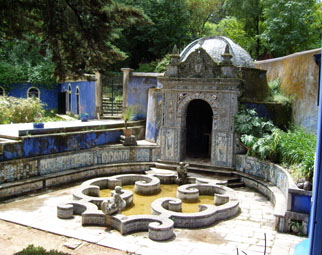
(142, 204)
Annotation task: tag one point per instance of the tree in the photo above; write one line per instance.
(234, 29)
(80, 34)
(201, 12)
(250, 13)
(288, 26)
(19, 63)
(169, 26)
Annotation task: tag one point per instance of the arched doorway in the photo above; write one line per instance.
(69, 98)
(198, 129)
(77, 101)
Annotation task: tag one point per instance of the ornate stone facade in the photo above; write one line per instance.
(198, 77)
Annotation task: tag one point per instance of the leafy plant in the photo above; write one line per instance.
(294, 149)
(276, 93)
(127, 115)
(248, 122)
(20, 110)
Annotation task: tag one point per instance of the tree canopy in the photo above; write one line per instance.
(73, 37)
(288, 26)
(169, 26)
(79, 34)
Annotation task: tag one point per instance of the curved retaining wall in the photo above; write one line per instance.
(31, 174)
(291, 203)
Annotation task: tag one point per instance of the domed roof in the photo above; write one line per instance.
(215, 47)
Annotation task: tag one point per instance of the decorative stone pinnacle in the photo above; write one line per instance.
(227, 56)
(201, 42)
(175, 50)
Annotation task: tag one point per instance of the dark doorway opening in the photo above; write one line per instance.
(62, 102)
(199, 126)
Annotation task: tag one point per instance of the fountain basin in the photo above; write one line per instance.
(166, 211)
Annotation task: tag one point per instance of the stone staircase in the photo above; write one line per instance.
(111, 109)
(231, 180)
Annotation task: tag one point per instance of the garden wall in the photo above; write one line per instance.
(48, 95)
(64, 140)
(81, 95)
(299, 79)
(30, 174)
(136, 89)
(295, 204)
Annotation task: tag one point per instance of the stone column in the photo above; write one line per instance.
(154, 115)
(126, 79)
(98, 97)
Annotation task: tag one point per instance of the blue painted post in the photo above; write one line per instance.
(315, 232)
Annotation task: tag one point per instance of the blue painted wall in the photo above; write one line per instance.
(301, 203)
(50, 144)
(138, 88)
(87, 91)
(47, 95)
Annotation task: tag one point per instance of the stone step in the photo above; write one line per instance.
(112, 112)
(233, 180)
(194, 168)
(166, 166)
(236, 185)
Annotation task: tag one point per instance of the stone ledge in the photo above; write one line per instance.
(274, 182)
(12, 189)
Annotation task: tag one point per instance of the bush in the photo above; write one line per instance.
(294, 149)
(20, 110)
(276, 93)
(32, 250)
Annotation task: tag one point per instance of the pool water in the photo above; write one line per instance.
(142, 204)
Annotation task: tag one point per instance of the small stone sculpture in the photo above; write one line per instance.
(182, 177)
(115, 204)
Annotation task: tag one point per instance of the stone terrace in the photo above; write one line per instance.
(246, 232)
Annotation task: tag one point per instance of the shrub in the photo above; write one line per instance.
(32, 250)
(20, 110)
(276, 93)
(294, 148)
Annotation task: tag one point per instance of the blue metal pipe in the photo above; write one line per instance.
(315, 232)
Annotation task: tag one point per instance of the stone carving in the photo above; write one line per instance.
(182, 177)
(115, 204)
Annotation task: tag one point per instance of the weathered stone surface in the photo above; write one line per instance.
(298, 74)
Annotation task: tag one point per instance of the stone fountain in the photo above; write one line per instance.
(166, 212)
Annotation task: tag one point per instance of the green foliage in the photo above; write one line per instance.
(201, 12)
(128, 114)
(20, 110)
(19, 63)
(37, 250)
(169, 26)
(294, 148)
(147, 67)
(298, 148)
(248, 122)
(287, 26)
(162, 64)
(276, 93)
(249, 13)
(232, 28)
(80, 34)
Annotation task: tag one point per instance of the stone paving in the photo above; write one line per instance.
(244, 234)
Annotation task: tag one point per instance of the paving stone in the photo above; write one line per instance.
(244, 232)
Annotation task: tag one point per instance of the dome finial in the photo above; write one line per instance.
(175, 50)
(201, 42)
(227, 56)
